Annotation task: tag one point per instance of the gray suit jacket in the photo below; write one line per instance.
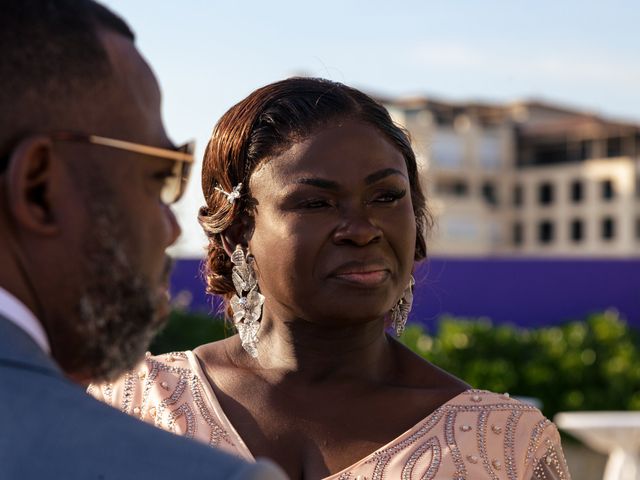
(51, 429)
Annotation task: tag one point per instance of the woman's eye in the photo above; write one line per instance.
(389, 196)
(315, 204)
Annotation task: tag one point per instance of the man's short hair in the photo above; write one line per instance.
(50, 54)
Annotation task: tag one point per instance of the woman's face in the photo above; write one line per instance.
(334, 234)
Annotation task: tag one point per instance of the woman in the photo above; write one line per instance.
(315, 218)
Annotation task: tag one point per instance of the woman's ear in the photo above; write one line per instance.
(31, 182)
(239, 233)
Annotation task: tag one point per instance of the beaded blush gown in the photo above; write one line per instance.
(475, 435)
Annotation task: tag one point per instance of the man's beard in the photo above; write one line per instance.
(119, 308)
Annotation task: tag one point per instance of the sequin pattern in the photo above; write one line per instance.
(217, 433)
(482, 444)
(432, 445)
(449, 433)
(163, 390)
(510, 445)
(185, 410)
(552, 465)
(476, 435)
(382, 457)
(107, 391)
(129, 388)
(534, 439)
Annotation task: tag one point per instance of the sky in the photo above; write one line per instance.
(209, 54)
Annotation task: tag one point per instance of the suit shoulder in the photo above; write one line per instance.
(81, 438)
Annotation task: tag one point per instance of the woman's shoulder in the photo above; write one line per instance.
(153, 376)
(505, 433)
(477, 434)
(169, 391)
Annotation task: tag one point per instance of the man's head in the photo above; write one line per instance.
(83, 219)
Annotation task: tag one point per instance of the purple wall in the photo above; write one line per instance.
(527, 292)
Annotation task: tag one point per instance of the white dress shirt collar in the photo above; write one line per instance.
(17, 312)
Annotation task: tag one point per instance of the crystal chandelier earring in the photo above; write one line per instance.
(400, 311)
(247, 303)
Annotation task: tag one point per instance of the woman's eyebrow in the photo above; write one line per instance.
(334, 186)
(319, 182)
(380, 174)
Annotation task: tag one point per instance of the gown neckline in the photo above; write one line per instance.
(246, 453)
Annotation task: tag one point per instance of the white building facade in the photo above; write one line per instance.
(526, 179)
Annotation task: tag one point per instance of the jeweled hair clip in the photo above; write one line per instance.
(233, 194)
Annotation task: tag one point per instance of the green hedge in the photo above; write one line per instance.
(186, 330)
(592, 364)
(582, 365)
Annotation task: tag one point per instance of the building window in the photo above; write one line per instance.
(489, 149)
(518, 195)
(608, 228)
(545, 193)
(489, 193)
(607, 189)
(577, 230)
(517, 234)
(455, 188)
(447, 149)
(614, 147)
(546, 232)
(577, 191)
(460, 189)
(549, 154)
(585, 149)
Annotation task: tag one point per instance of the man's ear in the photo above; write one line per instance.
(31, 177)
(239, 232)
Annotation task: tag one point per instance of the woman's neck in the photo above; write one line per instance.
(305, 351)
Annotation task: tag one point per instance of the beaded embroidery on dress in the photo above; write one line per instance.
(474, 436)
(165, 392)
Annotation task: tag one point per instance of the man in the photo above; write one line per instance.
(86, 176)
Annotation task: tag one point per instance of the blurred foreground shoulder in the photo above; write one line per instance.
(261, 470)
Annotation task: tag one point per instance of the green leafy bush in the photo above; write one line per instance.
(186, 330)
(582, 365)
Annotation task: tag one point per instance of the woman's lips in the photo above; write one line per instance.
(370, 278)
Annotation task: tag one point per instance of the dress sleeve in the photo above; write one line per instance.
(545, 459)
(166, 392)
(125, 393)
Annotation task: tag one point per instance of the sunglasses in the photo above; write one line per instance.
(182, 156)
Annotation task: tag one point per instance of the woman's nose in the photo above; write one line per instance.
(356, 228)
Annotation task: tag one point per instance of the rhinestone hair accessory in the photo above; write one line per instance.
(233, 194)
(247, 303)
(400, 311)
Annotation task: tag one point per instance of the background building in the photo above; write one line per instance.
(537, 209)
(526, 179)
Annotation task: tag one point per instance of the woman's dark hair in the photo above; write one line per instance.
(268, 122)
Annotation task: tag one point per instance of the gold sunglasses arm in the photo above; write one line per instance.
(143, 149)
